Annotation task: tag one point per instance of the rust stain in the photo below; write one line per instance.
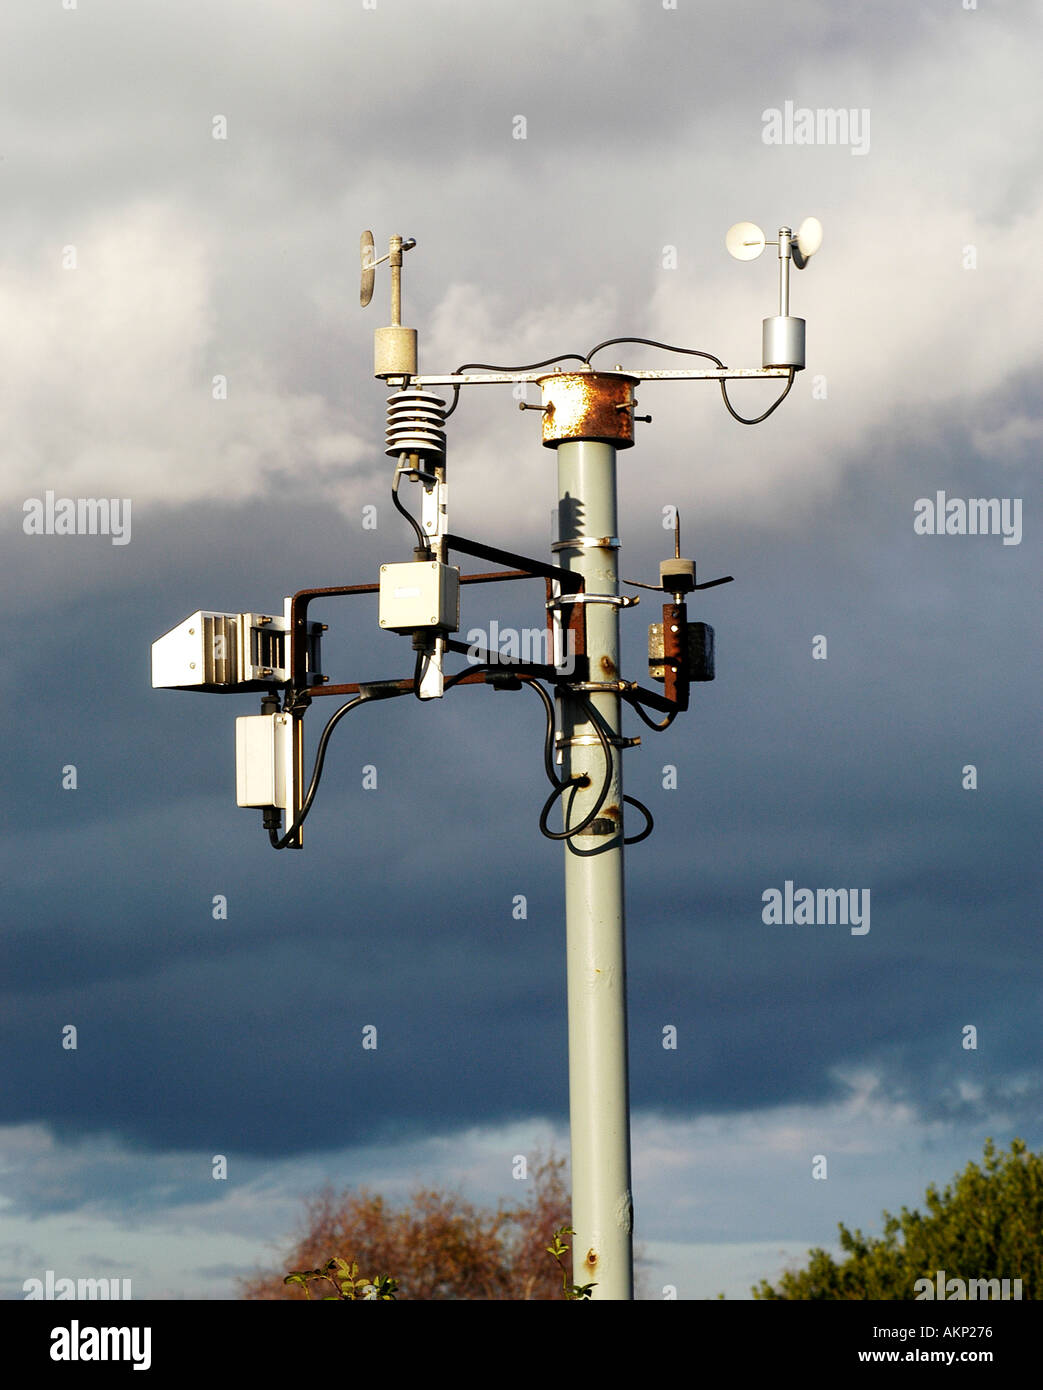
(608, 666)
(592, 1259)
(586, 405)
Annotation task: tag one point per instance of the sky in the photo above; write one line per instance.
(183, 189)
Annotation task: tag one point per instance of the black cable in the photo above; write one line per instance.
(694, 352)
(491, 367)
(525, 367)
(664, 724)
(419, 672)
(650, 342)
(320, 758)
(423, 541)
(458, 676)
(576, 782)
(548, 740)
(757, 419)
(649, 827)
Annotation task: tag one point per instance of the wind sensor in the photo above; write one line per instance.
(782, 337)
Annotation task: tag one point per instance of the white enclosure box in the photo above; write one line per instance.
(419, 594)
(261, 759)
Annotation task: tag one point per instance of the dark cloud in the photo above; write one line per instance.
(243, 1036)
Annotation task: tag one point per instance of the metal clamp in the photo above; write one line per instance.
(600, 542)
(617, 600)
(590, 740)
(615, 687)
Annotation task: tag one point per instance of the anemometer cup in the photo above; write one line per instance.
(782, 342)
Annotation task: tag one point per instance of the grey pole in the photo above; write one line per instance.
(599, 1101)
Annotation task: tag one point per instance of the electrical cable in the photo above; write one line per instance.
(320, 758)
(651, 342)
(694, 352)
(423, 660)
(757, 419)
(650, 823)
(548, 741)
(422, 540)
(576, 782)
(458, 676)
(638, 709)
(490, 367)
(560, 786)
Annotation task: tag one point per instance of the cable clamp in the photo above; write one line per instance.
(616, 600)
(600, 542)
(615, 687)
(590, 740)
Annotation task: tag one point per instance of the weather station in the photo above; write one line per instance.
(587, 415)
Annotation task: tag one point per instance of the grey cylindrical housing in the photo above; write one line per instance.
(782, 342)
(394, 351)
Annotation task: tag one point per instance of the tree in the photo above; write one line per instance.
(987, 1224)
(437, 1246)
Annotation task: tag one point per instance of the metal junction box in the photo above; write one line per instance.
(419, 594)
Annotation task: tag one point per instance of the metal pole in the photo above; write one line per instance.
(599, 1099)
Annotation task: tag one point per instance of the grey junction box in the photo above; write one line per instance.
(419, 594)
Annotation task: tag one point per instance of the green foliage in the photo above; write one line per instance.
(345, 1279)
(986, 1224)
(558, 1248)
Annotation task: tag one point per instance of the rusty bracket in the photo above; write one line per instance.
(526, 568)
